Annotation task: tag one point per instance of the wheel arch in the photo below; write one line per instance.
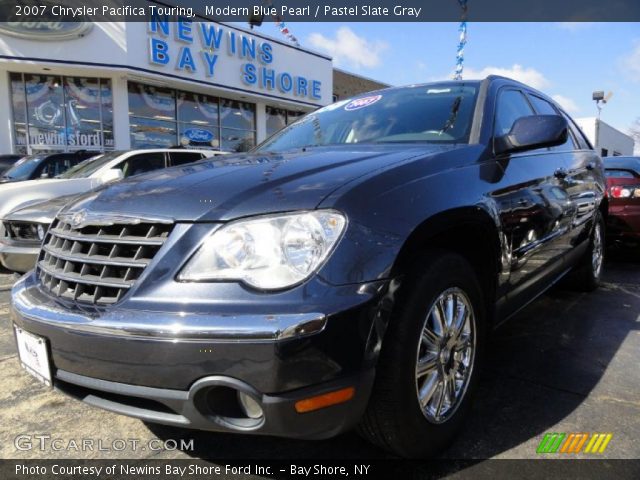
(471, 232)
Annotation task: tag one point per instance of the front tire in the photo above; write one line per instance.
(428, 366)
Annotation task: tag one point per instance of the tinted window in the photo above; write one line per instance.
(58, 164)
(542, 106)
(578, 135)
(421, 114)
(142, 163)
(86, 168)
(512, 105)
(180, 158)
(619, 174)
(24, 168)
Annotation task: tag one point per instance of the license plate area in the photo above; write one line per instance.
(34, 356)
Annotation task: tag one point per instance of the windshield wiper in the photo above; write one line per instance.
(455, 108)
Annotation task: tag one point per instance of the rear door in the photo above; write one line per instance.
(539, 220)
(585, 186)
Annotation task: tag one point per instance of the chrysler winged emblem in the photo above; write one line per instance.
(78, 218)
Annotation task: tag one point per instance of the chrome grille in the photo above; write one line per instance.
(98, 264)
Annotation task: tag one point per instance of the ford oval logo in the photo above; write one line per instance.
(198, 135)
(50, 31)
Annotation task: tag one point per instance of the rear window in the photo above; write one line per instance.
(180, 158)
(619, 174)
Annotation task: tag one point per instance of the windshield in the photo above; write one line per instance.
(90, 166)
(24, 168)
(439, 113)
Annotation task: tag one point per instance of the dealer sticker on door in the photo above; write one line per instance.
(34, 357)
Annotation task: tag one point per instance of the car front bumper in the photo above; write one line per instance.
(179, 369)
(18, 258)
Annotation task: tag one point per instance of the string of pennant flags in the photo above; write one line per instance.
(457, 75)
(279, 22)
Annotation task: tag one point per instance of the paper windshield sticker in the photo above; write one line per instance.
(362, 102)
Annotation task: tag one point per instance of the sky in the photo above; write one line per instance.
(567, 61)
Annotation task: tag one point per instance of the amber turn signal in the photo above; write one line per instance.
(325, 400)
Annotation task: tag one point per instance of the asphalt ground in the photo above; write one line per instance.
(567, 363)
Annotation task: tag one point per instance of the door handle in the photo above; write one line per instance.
(561, 173)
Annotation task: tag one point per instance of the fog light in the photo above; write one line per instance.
(250, 406)
(41, 232)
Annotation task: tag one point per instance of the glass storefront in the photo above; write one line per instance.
(278, 118)
(56, 113)
(162, 117)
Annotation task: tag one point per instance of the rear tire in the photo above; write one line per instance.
(588, 274)
(428, 366)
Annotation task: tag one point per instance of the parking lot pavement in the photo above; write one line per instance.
(567, 363)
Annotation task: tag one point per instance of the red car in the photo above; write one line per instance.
(623, 190)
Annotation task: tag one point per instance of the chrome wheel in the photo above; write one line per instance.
(597, 250)
(446, 353)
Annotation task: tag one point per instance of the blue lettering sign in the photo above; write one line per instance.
(249, 74)
(249, 48)
(268, 78)
(210, 60)
(211, 35)
(159, 51)
(159, 24)
(232, 43)
(301, 87)
(285, 82)
(185, 60)
(266, 53)
(316, 86)
(183, 31)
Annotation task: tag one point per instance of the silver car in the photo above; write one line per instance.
(28, 208)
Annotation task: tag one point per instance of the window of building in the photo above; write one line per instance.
(604, 152)
(56, 113)
(278, 118)
(162, 117)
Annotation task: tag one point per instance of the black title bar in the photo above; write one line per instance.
(16, 11)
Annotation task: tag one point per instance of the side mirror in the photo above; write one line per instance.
(536, 131)
(111, 175)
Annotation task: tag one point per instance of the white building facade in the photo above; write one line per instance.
(607, 140)
(166, 82)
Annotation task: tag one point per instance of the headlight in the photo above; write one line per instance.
(270, 252)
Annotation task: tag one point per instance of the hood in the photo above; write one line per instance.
(41, 212)
(21, 194)
(234, 186)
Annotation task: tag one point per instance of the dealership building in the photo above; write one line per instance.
(105, 86)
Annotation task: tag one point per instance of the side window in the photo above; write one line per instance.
(142, 163)
(512, 105)
(542, 106)
(55, 165)
(180, 158)
(578, 134)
